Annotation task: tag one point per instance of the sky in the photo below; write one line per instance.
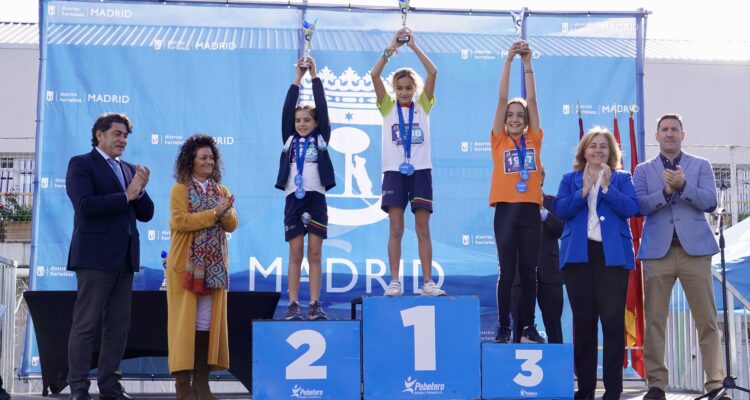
(717, 21)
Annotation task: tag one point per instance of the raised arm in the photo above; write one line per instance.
(290, 103)
(498, 124)
(377, 69)
(429, 83)
(531, 102)
(321, 105)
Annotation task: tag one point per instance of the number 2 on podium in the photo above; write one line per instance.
(302, 367)
(422, 318)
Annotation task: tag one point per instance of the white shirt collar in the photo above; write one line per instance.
(105, 155)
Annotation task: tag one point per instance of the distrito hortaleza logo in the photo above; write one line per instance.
(416, 387)
(298, 392)
(351, 106)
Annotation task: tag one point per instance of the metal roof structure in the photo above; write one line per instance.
(26, 35)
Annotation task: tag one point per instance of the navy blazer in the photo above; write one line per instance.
(323, 131)
(613, 209)
(104, 228)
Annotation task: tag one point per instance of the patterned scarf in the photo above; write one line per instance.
(206, 269)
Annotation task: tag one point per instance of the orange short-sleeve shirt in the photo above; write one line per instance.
(505, 169)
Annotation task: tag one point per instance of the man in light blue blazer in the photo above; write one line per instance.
(674, 191)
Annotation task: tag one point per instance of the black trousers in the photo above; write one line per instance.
(103, 297)
(597, 292)
(517, 231)
(549, 296)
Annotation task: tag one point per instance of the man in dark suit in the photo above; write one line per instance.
(549, 278)
(108, 197)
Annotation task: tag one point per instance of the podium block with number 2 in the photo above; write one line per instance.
(424, 346)
(306, 360)
(515, 371)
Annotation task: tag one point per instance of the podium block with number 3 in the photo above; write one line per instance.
(514, 371)
(306, 360)
(423, 346)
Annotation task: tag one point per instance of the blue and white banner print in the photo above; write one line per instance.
(224, 70)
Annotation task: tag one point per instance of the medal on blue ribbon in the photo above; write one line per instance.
(299, 158)
(523, 172)
(406, 167)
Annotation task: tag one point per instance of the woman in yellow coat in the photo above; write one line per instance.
(197, 268)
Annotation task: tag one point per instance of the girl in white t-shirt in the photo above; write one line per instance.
(407, 169)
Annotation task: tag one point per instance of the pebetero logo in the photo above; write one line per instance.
(566, 109)
(45, 182)
(415, 387)
(564, 27)
(151, 234)
(298, 392)
(351, 103)
(157, 43)
(50, 95)
(154, 138)
(464, 54)
(40, 270)
(51, 10)
(465, 240)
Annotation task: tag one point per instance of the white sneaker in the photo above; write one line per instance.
(394, 289)
(431, 289)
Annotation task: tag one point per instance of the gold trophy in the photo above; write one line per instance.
(404, 6)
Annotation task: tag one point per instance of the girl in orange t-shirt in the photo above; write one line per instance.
(516, 194)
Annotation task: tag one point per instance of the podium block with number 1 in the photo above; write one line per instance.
(423, 346)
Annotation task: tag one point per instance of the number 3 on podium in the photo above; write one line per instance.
(536, 373)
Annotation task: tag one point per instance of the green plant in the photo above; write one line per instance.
(12, 210)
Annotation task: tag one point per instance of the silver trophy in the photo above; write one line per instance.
(308, 29)
(518, 22)
(403, 5)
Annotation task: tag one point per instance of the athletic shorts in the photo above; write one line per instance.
(400, 189)
(314, 203)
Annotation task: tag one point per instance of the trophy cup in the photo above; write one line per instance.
(307, 29)
(518, 22)
(404, 6)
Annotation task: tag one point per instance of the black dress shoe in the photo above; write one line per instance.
(583, 396)
(120, 394)
(654, 393)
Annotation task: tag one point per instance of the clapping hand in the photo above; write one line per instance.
(588, 181)
(606, 176)
(139, 182)
(674, 180)
(224, 205)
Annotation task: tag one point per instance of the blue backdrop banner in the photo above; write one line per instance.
(179, 69)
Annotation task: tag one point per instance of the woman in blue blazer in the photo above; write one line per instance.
(596, 256)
